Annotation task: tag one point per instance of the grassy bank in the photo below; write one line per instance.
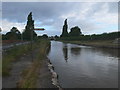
(30, 74)
(98, 43)
(12, 55)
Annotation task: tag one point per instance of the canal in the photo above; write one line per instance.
(84, 66)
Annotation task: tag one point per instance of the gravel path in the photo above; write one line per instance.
(44, 80)
(17, 68)
(45, 77)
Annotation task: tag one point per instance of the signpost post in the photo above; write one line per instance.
(38, 29)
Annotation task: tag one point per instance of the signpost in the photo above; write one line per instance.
(38, 29)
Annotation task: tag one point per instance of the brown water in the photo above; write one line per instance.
(84, 67)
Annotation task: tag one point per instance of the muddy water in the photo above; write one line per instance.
(84, 67)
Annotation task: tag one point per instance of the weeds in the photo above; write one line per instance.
(12, 55)
(30, 74)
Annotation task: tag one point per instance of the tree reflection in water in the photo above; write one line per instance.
(65, 51)
(75, 50)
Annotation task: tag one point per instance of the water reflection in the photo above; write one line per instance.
(87, 66)
(111, 52)
(65, 51)
(105, 51)
(75, 50)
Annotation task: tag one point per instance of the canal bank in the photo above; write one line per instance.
(30, 70)
(100, 43)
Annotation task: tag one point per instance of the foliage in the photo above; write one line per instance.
(14, 34)
(30, 75)
(4, 37)
(11, 55)
(93, 37)
(75, 31)
(29, 29)
(44, 36)
(76, 34)
(56, 36)
(64, 30)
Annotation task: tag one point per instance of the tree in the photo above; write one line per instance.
(44, 36)
(75, 31)
(56, 36)
(64, 30)
(29, 32)
(14, 34)
(4, 37)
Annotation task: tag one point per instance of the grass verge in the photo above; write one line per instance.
(99, 43)
(12, 55)
(30, 74)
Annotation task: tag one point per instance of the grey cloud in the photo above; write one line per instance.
(41, 10)
(113, 7)
(48, 13)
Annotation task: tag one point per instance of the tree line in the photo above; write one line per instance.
(15, 34)
(104, 36)
(74, 31)
(27, 34)
(76, 34)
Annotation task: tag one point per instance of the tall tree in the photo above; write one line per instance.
(29, 29)
(64, 30)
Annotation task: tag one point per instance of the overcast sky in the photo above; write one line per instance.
(91, 17)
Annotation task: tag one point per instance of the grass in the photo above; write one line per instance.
(30, 74)
(12, 55)
(98, 43)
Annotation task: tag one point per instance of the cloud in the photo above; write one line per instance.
(6, 26)
(60, 0)
(91, 17)
(94, 17)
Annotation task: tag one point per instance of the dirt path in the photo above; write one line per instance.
(44, 80)
(17, 68)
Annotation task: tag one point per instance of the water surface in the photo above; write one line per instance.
(83, 66)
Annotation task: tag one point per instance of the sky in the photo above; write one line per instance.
(91, 17)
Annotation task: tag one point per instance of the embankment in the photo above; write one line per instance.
(27, 68)
(100, 43)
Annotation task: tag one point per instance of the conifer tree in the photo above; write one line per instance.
(64, 30)
(29, 29)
